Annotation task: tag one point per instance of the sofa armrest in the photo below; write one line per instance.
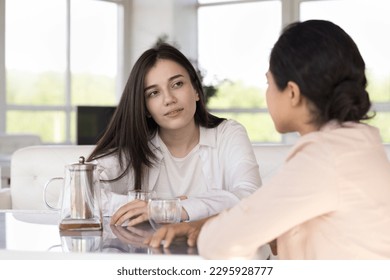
(5, 198)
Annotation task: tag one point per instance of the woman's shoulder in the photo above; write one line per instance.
(229, 126)
(349, 133)
(335, 139)
(226, 130)
(228, 133)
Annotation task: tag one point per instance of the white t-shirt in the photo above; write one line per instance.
(180, 175)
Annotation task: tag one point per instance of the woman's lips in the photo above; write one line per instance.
(173, 112)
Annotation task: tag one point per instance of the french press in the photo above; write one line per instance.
(81, 202)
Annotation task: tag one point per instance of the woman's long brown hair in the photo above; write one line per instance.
(130, 130)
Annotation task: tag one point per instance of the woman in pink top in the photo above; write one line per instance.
(331, 198)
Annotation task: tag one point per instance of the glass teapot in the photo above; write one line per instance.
(80, 198)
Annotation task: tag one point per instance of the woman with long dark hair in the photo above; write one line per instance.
(162, 138)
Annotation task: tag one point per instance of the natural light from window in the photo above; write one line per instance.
(234, 51)
(51, 68)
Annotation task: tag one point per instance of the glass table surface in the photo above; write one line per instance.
(38, 231)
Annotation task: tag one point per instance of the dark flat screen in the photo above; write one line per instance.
(92, 121)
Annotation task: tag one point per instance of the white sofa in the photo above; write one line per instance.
(9, 143)
(32, 167)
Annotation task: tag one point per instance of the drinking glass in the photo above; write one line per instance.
(164, 211)
(140, 195)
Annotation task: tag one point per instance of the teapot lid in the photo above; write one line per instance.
(82, 165)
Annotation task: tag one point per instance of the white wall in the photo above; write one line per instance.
(147, 20)
(176, 18)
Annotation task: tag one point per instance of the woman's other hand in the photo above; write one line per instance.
(135, 212)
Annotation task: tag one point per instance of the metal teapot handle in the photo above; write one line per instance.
(44, 192)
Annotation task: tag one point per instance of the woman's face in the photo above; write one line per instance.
(169, 95)
(278, 105)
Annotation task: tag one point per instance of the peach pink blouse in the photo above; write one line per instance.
(330, 200)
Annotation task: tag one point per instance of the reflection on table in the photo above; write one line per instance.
(38, 231)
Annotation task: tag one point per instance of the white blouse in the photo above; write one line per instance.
(219, 172)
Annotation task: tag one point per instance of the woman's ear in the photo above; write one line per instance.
(294, 93)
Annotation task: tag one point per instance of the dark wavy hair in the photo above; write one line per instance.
(129, 133)
(324, 61)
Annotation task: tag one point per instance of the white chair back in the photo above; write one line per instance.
(32, 167)
(9, 143)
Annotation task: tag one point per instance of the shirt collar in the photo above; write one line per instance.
(207, 137)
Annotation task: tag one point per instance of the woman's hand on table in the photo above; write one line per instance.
(134, 212)
(168, 233)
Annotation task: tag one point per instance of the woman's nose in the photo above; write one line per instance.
(169, 98)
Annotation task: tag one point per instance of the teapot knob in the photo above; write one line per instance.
(81, 160)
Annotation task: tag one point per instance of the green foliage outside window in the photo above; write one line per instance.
(48, 89)
(259, 124)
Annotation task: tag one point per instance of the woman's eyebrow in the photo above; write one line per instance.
(174, 77)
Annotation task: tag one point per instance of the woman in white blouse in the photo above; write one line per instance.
(330, 199)
(161, 138)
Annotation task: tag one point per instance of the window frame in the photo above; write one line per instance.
(127, 51)
(122, 57)
(290, 13)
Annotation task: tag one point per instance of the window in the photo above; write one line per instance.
(58, 54)
(235, 39)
